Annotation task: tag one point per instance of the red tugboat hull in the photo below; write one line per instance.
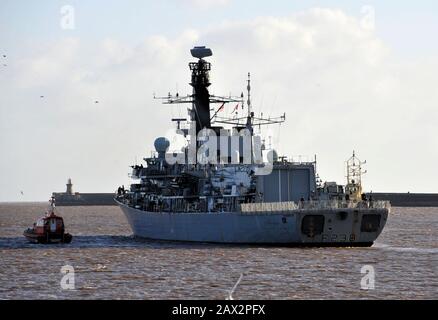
(47, 238)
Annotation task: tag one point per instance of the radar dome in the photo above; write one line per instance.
(161, 144)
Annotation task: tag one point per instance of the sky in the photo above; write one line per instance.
(350, 75)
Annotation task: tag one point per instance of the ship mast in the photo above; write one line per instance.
(354, 177)
(250, 113)
(200, 97)
(251, 119)
(52, 202)
(200, 83)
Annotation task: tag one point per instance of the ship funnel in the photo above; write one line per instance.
(201, 52)
(161, 145)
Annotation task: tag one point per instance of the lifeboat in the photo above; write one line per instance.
(48, 229)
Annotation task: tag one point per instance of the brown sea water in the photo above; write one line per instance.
(111, 264)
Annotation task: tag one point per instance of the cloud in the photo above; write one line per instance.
(341, 87)
(207, 4)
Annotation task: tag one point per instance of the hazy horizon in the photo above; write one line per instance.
(350, 75)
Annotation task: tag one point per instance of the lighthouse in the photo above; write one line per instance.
(69, 187)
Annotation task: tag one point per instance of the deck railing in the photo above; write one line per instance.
(179, 204)
(312, 205)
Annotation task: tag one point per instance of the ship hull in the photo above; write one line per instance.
(33, 237)
(346, 227)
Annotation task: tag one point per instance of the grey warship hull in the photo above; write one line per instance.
(301, 227)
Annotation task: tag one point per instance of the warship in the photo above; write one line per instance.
(225, 185)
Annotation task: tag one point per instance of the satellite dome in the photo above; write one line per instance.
(161, 144)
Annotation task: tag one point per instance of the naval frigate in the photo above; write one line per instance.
(224, 185)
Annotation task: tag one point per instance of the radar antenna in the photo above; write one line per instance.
(251, 119)
(200, 98)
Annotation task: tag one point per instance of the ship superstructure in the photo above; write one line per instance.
(225, 186)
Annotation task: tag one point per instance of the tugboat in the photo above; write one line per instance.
(226, 186)
(48, 229)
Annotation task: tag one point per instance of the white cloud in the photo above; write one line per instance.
(340, 86)
(207, 4)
